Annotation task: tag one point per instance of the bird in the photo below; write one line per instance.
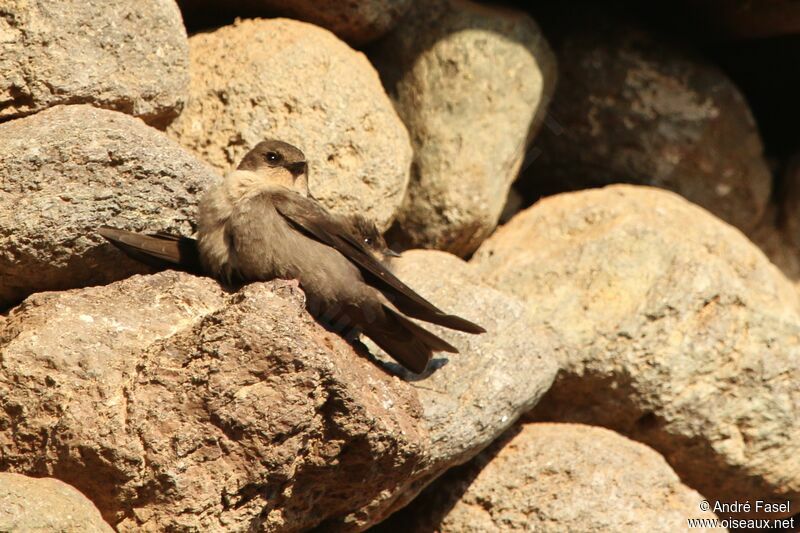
(371, 238)
(162, 250)
(260, 223)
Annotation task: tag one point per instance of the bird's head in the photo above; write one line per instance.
(278, 163)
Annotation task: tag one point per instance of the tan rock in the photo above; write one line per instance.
(630, 108)
(46, 504)
(472, 397)
(355, 22)
(556, 477)
(170, 402)
(677, 332)
(68, 169)
(296, 82)
(471, 83)
(174, 405)
(132, 57)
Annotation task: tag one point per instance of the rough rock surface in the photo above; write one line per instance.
(355, 22)
(473, 396)
(304, 86)
(130, 56)
(677, 331)
(630, 108)
(170, 403)
(471, 83)
(68, 169)
(555, 477)
(30, 504)
(176, 406)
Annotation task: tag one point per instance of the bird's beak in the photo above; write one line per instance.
(297, 169)
(391, 253)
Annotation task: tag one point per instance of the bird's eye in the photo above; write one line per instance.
(272, 157)
(368, 241)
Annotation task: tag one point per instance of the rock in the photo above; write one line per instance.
(631, 108)
(29, 504)
(176, 406)
(774, 236)
(132, 57)
(556, 477)
(69, 169)
(677, 332)
(296, 82)
(471, 83)
(473, 396)
(355, 22)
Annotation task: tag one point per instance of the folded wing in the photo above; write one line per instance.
(308, 216)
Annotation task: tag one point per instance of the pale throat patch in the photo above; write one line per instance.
(241, 184)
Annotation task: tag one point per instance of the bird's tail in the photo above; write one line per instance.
(159, 250)
(409, 344)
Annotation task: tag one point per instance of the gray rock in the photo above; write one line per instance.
(677, 332)
(296, 82)
(128, 56)
(556, 477)
(176, 406)
(473, 396)
(633, 109)
(68, 169)
(471, 83)
(46, 504)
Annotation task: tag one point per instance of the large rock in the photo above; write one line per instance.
(556, 477)
(296, 82)
(67, 170)
(473, 396)
(128, 56)
(471, 83)
(355, 22)
(174, 405)
(677, 332)
(630, 108)
(30, 504)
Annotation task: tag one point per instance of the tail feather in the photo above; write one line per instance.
(409, 344)
(160, 250)
(421, 312)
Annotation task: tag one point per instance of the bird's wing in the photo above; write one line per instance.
(312, 219)
(160, 250)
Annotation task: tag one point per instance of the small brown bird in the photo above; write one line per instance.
(371, 238)
(259, 224)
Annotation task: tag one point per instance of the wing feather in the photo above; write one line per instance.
(311, 218)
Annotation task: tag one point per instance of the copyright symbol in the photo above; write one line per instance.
(704, 506)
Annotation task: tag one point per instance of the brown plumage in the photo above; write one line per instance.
(259, 224)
